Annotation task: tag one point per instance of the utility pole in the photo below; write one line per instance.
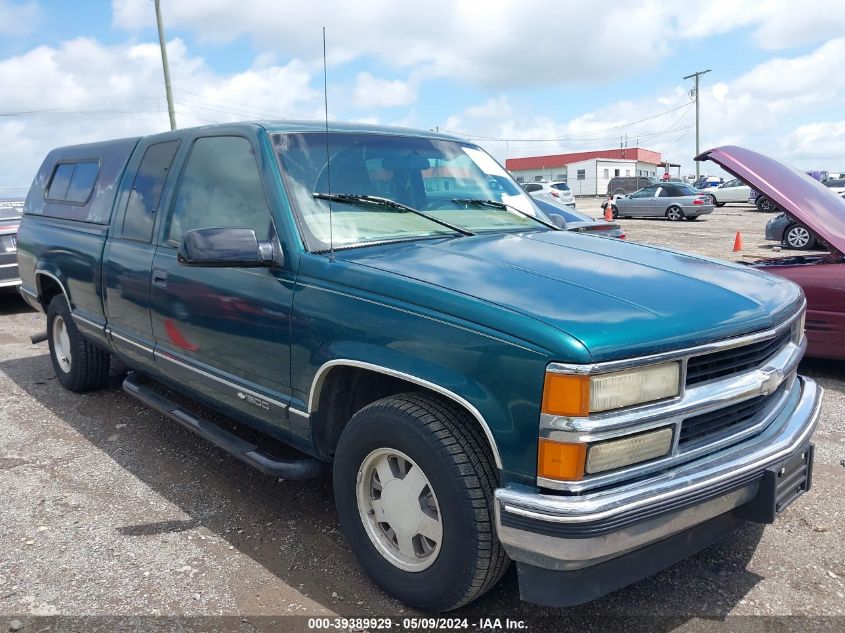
(166, 66)
(697, 76)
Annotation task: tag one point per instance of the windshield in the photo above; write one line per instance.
(435, 176)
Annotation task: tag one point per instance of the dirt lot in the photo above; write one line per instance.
(108, 510)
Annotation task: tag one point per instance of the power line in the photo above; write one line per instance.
(569, 137)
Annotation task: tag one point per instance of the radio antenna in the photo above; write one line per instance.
(328, 153)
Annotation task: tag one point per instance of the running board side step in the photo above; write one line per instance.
(304, 468)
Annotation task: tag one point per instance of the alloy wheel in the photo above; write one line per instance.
(798, 237)
(61, 344)
(399, 509)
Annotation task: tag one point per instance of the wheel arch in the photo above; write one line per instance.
(370, 382)
(47, 286)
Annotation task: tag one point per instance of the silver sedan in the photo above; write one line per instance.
(670, 200)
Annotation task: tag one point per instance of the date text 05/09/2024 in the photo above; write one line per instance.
(410, 624)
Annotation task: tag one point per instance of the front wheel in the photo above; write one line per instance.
(674, 214)
(413, 484)
(79, 365)
(796, 236)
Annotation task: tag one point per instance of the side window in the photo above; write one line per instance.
(73, 182)
(82, 181)
(667, 192)
(143, 202)
(220, 187)
(529, 187)
(60, 182)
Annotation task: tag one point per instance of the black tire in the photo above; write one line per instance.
(716, 203)
(453, 454)
(614, 212)
(765, 205)
(674, 213)
(85, 367)
(798, 238)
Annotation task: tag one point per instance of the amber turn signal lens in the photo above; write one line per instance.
(558, 460)
(565, 394)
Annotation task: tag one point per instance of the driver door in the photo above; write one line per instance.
(223, 332)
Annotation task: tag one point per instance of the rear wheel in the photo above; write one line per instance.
(79, 365)
(716, 202)
(674, 213)
(796, 236)
(413, 483)
(614, 212)
(765, 205)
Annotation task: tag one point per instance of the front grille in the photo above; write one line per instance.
(728, 420)
(735, 360)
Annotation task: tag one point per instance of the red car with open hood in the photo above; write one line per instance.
(815, 206)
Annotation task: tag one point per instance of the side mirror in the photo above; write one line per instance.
(225, 248)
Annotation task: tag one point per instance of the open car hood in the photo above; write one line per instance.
(804, 198)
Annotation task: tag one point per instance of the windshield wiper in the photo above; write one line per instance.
(387, 202)
(504, 206)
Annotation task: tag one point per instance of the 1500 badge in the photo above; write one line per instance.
(254, 400)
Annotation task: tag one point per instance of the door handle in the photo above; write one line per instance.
(159, 277)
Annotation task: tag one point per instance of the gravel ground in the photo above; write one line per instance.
(117, 517)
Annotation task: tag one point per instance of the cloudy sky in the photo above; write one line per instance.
(520, 77)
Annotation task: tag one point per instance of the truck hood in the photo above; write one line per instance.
(804, 198)
(617, 299)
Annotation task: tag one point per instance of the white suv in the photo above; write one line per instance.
(557, 189)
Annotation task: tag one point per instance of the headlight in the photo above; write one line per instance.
(579, 396)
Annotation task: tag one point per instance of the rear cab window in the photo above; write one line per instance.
(79, 182)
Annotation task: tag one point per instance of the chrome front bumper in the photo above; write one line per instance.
(569, 532)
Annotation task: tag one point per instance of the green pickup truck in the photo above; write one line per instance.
(484, 387)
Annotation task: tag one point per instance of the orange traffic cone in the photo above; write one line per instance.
(608, 210)
(738, 242)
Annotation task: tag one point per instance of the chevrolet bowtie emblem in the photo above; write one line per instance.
(771, 381)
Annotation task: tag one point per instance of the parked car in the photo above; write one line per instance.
(731, 191)
(810, 204)
(765, 204)
(559, 190)
(486, 386)
(836, 185)
(705, 182)
(620, 185)
(792, 234)
(672, 201)
(819, 175)
(567, 218)
(10, 217)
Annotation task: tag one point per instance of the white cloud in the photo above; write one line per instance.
(494, 44)
(815, 145)
(84, 91)
(373, 92)
(764, 109)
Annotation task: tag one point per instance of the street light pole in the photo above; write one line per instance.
(697, 75)
(166, 66)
